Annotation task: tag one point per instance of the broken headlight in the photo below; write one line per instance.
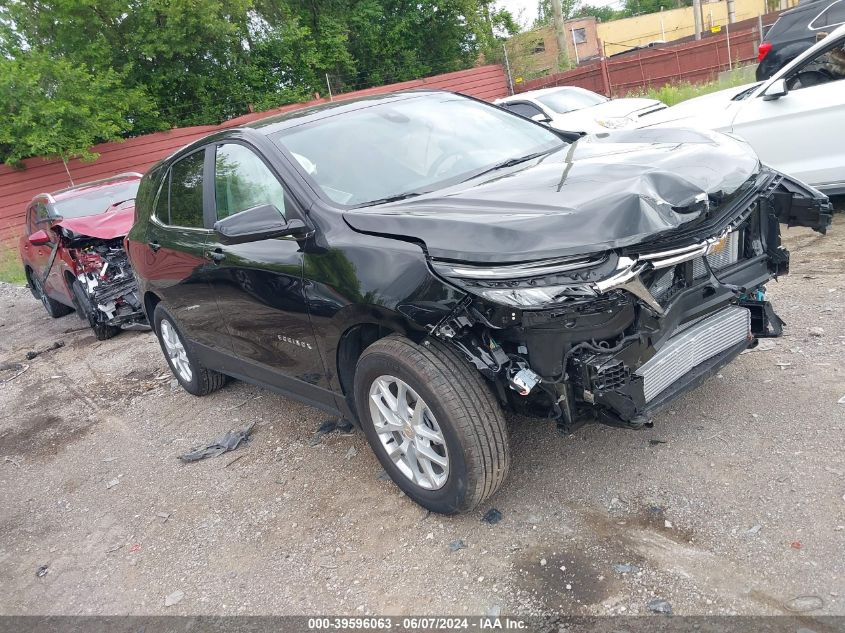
(530, 284)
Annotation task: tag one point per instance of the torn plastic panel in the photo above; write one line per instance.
(629, 330)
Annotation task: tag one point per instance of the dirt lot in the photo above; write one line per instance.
(733, 503)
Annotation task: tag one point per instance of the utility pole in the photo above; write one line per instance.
(560, 32)
(731, 11)
(696, 10)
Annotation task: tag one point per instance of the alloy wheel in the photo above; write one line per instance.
(409, 432)
(176, 350)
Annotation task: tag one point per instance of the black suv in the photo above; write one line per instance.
(797, 30)
(421, 262)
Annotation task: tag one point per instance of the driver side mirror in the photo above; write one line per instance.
(39, 238)
(776, 90)
(258, 223)
(541, 118)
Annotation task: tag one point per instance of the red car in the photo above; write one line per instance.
(73, 255)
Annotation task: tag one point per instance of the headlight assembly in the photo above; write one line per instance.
(531, 284)
(615, 123)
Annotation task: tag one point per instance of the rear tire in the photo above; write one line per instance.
(463, 432)
(54, 308)
(194, 377)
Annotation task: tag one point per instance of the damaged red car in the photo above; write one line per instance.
(73, 255)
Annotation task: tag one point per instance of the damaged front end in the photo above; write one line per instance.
(105, 291)
(614, 336)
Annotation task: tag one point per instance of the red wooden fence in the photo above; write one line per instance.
(695, 62)
(17, 187)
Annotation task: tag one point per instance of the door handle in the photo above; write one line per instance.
(216, 255)
(154, 245)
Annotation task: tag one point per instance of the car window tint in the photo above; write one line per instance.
(523, 109)
(826, 67)
(242, 181)
(186, 191)
(833, 15)
(162, 208)
(42, 214)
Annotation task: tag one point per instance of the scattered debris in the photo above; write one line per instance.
(42, 571)
(163, 515)
(656, 442)
(18, 368)
(841, 400)
(804, 604)
(454, 546)
(232, 461)
(229, 441)
(753, 530)
(659, 605)
(667, 524)
(492, 516)
(429, 536)
(816, 331)
(112, 483)
(626, 569)
(174, 598)
(351, 453)
(796, 545)
(783, 365)
(36, 353)
(135, 547)
(763, 345)
(341, 426)
(543, 562)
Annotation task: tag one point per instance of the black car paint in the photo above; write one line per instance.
(790, 36)
(294, 313)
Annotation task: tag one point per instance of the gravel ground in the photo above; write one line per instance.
(733, 503)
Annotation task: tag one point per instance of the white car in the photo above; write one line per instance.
(574, 109)
(795, 120)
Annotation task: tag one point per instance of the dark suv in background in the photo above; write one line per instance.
(797, 30)
(421, 262)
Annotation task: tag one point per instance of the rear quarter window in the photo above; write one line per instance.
(833, 15)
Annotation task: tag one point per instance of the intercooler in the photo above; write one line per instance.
(694, 345)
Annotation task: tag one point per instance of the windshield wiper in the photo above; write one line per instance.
(510, 162)
(396, 198)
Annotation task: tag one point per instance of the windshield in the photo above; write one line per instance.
(568, 100)
(409, 146)
(97, 200)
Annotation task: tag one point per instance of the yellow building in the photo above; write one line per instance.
(622, 35)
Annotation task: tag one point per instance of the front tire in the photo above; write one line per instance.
(433, 423)
(194, 377)
(54, 308)
(102, 331)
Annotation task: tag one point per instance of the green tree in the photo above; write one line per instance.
(52, 107)
(603, 14)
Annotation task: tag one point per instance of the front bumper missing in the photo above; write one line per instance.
(672, 313)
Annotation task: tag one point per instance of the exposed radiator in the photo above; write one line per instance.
(693, 346)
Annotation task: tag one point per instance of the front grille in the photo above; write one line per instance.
(726, 255)
(693, 346)
(609, 376)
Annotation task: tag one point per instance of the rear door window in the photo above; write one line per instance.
(186, 179)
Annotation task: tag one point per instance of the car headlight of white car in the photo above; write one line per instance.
(615, 123)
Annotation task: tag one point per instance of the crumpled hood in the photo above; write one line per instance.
(586, 119)
(105, 226)
(604, 191)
